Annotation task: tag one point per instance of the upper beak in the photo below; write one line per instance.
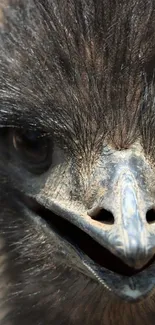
(129, 237)
(132, 223)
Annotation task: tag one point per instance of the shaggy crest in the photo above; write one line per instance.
(87, 63)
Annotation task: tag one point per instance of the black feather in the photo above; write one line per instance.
(83, 72)
(84, 68)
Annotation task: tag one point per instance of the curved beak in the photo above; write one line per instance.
(132, 220)
(129, 237)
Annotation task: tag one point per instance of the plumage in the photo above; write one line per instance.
(76, 61)
(79, 72)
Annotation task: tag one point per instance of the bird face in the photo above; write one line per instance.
(100, 219)
(77, 135)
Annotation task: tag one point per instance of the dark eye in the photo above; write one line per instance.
(34, 149)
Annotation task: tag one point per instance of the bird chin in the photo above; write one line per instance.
(95, 261)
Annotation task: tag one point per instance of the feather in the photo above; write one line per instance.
(81, 68)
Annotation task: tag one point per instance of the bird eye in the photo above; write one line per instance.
(32, 148)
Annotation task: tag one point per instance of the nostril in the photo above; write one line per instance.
(102, 215)
(150, 216)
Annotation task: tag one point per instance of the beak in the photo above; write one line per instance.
(129, 237)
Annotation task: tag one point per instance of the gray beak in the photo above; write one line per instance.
(129, 237)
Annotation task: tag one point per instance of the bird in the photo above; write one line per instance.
(77, 166)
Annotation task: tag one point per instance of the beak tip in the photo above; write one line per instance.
(138, 263)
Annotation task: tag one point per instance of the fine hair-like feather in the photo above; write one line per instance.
(81, 71)
(83, 66)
